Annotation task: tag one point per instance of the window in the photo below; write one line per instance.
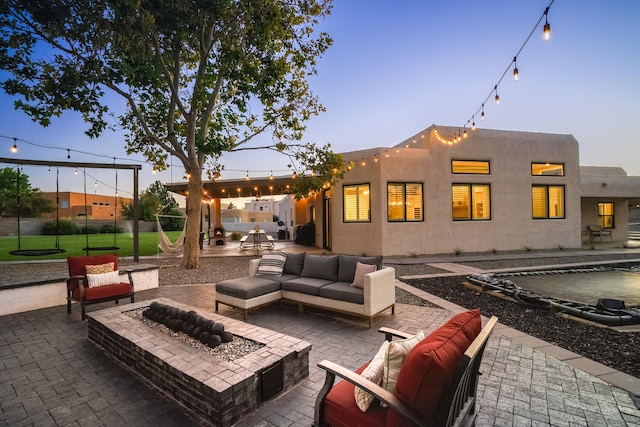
(404, 202)
(547, 169)
(605, 215)
(470, 166)
(64, 204)
(471, 202)
(357, 206)
(547, 201)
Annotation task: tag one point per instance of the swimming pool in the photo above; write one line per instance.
(585, 288)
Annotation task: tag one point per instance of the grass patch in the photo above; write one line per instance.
(73, 245)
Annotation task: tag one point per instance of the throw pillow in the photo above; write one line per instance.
(361, 270)
(103, 279)
(373, 372)
(271, 264)
(294, 264)
(100, 268)
(393, 360)
(320, 267)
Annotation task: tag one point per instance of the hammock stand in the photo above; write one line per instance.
(164, 243)
(45, 251)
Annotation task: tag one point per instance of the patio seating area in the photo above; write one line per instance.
(50, 374)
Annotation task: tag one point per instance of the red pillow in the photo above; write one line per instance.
(429, 366)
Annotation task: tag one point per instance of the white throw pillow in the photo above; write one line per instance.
(272, 264)
(103, 279)
(373, 372)
(361, 271)
(394, 358)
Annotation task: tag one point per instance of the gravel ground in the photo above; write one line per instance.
(619, 350)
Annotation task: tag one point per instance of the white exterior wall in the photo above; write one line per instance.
(511, 226)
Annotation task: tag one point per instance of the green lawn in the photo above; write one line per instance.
(73, 245)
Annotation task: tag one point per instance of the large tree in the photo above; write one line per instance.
(199, 78)
(16, 193)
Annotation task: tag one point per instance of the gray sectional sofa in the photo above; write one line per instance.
(316, 280)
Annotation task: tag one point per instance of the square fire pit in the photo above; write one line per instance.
(213, 391)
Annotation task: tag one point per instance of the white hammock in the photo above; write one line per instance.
(165, 244)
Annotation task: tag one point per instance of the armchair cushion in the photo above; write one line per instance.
(102, 279)
(373, 372)
(102, 292)
(340, 409)
(100, 268)
(395, 357)
(77, 264)
(429, 367)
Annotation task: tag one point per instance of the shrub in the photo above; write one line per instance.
(172, 223)
(91, 229)
(236, 235)
(64, 227)
(110, 229)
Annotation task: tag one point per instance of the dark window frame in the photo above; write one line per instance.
(344, 206)
(404, 193)
(488, 162)
(470, 186)
(548, 204)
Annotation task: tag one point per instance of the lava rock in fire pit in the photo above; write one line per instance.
(191, 323)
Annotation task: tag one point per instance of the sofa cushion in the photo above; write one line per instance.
(395, 357)
(271, 264)
(321, 267)
(340, 409)
(347, 265)
(294, 264)
(431, 364)
(77, 264)
(100, 268)
(342, 292)
(103, 279)
(373, 372)
(282, 278)
(305, 285)
(247, 287)
(361, 271)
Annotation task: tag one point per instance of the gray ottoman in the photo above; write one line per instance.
(247, 292)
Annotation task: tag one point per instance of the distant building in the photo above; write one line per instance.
(72, 205)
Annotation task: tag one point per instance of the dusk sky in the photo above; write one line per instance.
(397, 67)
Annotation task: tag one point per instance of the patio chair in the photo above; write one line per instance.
(436, 384)
(595, 231)
(95, 278)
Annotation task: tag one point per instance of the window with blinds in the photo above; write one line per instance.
(606, 215)
(357, 206)
(471, 202)
(478, 167)
(404, 202)
(547, 201)
(548, 169)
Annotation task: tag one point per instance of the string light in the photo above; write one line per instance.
(482, 114)
(546, 30)
(247, 178)
(76, 172)
(14, 148)
(271, 176)
(497, 96)
(473, 123)
(516, 75)
(68, 153)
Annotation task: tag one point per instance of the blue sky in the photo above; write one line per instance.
(397, 67)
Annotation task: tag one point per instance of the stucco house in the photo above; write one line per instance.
(440, 192)
(493, 190)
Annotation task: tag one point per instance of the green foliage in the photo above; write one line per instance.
(110, 229)
(90, 229)
(64, 227)
(171, 223)
(198, 78)
(32, 202)
(148, 204)
(236, 235)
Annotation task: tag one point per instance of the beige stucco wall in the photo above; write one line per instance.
(429, 161)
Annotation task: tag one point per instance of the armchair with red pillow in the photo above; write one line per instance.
(436, 385)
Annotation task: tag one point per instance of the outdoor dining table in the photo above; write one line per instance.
(257, 237)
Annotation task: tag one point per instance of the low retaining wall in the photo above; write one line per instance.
(21, 297)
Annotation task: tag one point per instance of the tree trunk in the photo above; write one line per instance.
(191, 255)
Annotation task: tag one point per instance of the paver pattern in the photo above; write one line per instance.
(50, 374)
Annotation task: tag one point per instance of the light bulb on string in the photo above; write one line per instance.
(14, 148)
(386, 154)
(473, 123)
(546, 30)
(363, 163)
(247, 178)
(516, 75)
(497, 96)
(271, 176)
(464, 134)
(375, 158)
(76, 172)
(68, 153)
(482, 114)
